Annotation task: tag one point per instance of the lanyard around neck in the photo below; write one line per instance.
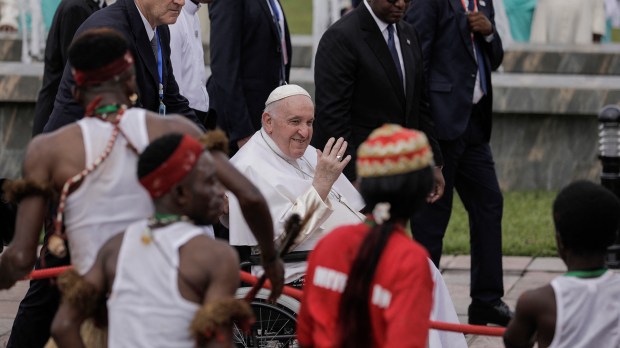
(162, 106)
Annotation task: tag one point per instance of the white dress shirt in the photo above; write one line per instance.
(150, 31)
(187, 57)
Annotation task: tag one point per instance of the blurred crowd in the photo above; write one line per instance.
(561, 22)
(538, 21)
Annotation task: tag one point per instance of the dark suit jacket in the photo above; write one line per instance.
(123, 16)
(69, 15)
(450, 64)
(357, 84)
(246, 61)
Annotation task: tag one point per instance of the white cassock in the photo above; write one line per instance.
(287, 187)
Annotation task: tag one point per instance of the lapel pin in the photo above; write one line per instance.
(408, 42)
(483, 3)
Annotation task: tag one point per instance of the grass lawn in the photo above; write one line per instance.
(527, 226)
(298, 16)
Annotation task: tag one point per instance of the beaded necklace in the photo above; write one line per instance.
(161, 220)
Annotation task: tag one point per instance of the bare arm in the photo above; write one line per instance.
(18, 259)
(73, 310)
(223, 283)
(521, 330)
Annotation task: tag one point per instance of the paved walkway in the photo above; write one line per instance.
(520, 273)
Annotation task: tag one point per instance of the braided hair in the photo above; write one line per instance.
(406, 193)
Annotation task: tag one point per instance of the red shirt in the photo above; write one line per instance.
(401, 294)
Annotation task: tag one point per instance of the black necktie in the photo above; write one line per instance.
(392, 48)
(479, 57)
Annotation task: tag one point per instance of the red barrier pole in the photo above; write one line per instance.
(297, 294)
(468, 329)
(289, 291)
(47, 273)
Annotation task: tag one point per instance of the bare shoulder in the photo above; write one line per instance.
(212, 250)
(47, 149)
(536, 301)
(158, 126)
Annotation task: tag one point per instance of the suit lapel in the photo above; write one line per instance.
(409, 61)
(141, 40)
(465, 33)
(378, 46)
(274, 30)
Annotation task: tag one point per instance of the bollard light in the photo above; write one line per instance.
(609, 154)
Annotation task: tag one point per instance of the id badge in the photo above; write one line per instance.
(162, 108)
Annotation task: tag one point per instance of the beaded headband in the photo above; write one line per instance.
(104, 73)
(174, 169)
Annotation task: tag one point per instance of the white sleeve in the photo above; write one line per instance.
(178, 50)
(309, 201)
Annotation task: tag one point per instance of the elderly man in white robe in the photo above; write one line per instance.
(294, 176)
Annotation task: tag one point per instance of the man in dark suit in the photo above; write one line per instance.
(69, 15)
(32, 321)
(368, 72)
(144, 23)
(460, 48)
(250, 56)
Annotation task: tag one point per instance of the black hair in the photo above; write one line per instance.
(587, 217)
(96, 47)
(157, 152)
(406, 193)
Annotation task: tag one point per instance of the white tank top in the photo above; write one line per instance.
(588, 311)
(110, 198)
(145, 308)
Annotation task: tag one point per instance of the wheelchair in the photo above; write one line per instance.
(276, 323)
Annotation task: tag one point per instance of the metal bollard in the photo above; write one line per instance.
(609, 154)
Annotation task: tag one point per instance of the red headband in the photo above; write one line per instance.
(104, 73)
(174, 169)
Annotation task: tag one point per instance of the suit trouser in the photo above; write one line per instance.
(469, 168)
(32, 324)
(33, 321)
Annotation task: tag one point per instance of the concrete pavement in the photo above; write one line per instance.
(520, 274)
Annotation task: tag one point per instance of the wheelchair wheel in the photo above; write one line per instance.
(275, 323)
